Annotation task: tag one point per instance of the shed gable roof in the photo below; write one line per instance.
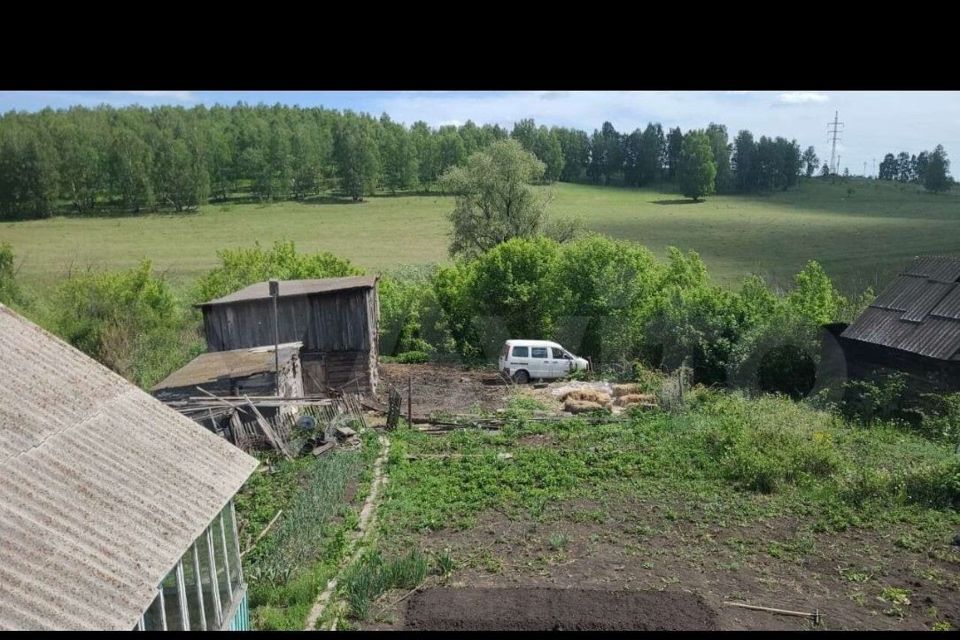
(919, 312)
(261, 290)
(102, 487)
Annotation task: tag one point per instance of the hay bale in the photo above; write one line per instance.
(587, 395)
(632, 399)
(626, 389)
(581, 406)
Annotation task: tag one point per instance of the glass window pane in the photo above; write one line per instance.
(233, 548)
(520, 352)
(190, 582)
(538, 352)
(222, 578)
(171, 602)
(209, 586)
(153, 616)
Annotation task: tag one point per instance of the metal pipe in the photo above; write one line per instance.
(275, 293)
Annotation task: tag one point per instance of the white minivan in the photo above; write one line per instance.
(525, 360)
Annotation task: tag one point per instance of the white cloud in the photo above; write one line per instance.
(182, 96)
(802, 97)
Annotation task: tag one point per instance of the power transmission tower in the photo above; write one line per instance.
(864, 169)
(834, 128)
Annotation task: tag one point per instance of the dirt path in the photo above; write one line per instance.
(367, 514)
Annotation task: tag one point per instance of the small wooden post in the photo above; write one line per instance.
(394, 404)
(409, 400)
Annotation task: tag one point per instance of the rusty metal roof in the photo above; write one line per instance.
(102, 487)
(219, 365)
(261, 290)
(918, 312)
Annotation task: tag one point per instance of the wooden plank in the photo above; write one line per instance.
(815, 615)
(268, 431)
(326, 446)
(262, 533)
(221, 400)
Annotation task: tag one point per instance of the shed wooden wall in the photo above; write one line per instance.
(924, 375)
(337, 321)
(339, 331)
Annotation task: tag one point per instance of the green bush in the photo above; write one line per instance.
(867, 401)
(940, 416)
(764, 444)
(409, 312)
(128, 320)
(412, 357)
(778, 354)
(934, 485)
(241, 267)
(9, 291)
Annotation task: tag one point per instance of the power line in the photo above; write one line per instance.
(834, 128)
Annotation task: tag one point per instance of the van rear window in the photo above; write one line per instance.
(521, 352)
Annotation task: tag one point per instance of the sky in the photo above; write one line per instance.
(874, 122)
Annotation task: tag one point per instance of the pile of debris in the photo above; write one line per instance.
(292, 426)
(604, 396)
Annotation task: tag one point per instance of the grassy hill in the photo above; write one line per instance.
(861, 231)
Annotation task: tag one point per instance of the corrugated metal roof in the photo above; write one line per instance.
(102, 487)
(880, 326)
(949, 307)
(926, 300)
(938, 268)
(900, 292)
(936, 337)
(918, 312)
(216, 365)
(261, 290)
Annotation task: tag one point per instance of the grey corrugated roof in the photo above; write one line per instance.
(238, 363)
(918, 312)
(102, 487)
(949, 307)
(261, 290)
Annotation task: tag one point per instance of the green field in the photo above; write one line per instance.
(861, 231)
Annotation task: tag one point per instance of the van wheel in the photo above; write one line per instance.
(521, 377)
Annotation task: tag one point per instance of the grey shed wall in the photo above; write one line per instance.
(338, 329)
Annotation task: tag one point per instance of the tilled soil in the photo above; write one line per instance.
(546, 609)
(635, 545)
(444, 388)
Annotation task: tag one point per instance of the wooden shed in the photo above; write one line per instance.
(336, 319)
(912, 327)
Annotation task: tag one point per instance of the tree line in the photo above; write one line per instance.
(137, 159)
(929, 168)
